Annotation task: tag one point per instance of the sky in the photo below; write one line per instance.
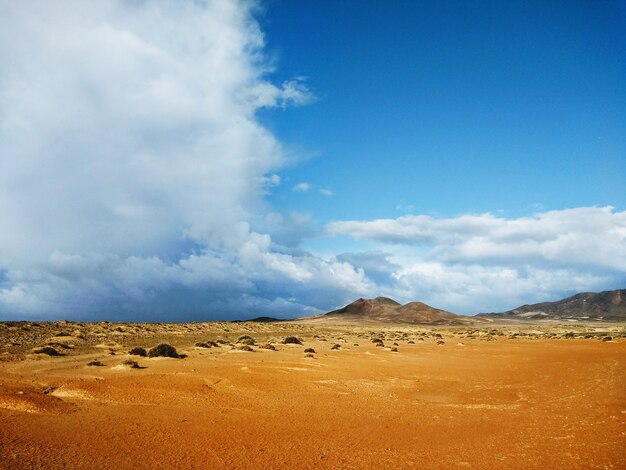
(227, 159)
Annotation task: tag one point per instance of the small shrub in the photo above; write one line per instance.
(607, 338)
(269, 346)
(292, 340)
(394, 349)
(335, 347)
(246, 339)
(130, 363)
(245, 347)
(95, 363)
(48, 351)
(138, 352)
(310, 356)
(309, 350)
(163, 350)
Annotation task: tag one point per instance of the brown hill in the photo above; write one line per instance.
(388, 310)
(600, 306)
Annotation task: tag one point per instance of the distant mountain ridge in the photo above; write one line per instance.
(607, 306)
(388, 310)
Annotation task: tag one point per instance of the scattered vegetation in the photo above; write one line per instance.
(95, 363)
(335, 347)
(309, 350)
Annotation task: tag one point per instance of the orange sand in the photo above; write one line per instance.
(520, 403)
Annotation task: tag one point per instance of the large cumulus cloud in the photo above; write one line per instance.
(133, 169)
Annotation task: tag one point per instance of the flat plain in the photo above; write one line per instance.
(369, 395)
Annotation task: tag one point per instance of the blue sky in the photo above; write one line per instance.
(229, 159)
(454, 107)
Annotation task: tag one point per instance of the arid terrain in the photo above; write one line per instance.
(490, 395)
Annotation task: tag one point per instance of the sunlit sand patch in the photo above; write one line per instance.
(482, 406)
(64, 392)
(31, 402)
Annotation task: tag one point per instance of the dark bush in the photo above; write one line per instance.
(130, 363)
(335, 346)
(292, 340)
(163, 350)
(269, 346)
(309, 350)
(47, 350)
(138, 352)
(95, 363)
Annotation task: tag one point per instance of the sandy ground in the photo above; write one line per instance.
(510, 398)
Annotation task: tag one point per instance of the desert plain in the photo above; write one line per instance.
(369, 395)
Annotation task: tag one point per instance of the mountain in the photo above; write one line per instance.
(607, 306)
(388, 310)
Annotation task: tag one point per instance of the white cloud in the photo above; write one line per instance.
(326, 192)
(486, 263)
(133, 170)
(302, 187)
(586, 235)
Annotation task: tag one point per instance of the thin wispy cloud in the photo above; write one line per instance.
(302, 187)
